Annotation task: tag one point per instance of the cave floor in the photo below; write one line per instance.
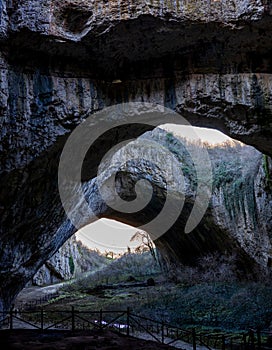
(87, 340)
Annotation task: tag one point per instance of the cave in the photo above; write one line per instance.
(210, 64)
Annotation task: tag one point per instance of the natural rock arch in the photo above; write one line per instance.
(39, 225)
(212, 65)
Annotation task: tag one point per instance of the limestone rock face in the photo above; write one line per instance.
(70, 261)
(3, 20)
(246, 213)
(238, 219)
(59, 63)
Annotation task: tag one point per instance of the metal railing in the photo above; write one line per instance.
(128, 323)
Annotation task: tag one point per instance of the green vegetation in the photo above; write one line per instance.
(266, 167)
(90, 259)
(179, 148)
(71, 265)
(120, 270)
(267, 172)
(234, 169)
(208, 297)
(226, 306)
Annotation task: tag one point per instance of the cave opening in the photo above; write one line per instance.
(87, 250)
(235, 166)
(109, 236)
(62, 62)
(237, 203)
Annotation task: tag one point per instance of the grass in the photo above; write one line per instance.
(193, 299)
(120, 270)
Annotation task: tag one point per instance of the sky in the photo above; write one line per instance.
(108, 235)
(207, 135)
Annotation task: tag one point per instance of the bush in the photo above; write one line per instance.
(71, 265)
(120, 270)
(210, 268)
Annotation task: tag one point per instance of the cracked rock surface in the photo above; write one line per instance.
(59, 63)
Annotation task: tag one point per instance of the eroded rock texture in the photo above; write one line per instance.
(70, 261)
(59, 63)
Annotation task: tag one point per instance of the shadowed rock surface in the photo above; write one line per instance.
(59, 63)
(70, 261)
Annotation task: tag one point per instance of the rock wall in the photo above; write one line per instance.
(238, 220)
(243, 207)
(70, 261)
(39, 108)
(59, 63)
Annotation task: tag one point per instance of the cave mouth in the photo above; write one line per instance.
(209, 237)
(174, 249)
(106, 235)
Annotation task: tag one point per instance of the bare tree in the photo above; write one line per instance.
(147, 243)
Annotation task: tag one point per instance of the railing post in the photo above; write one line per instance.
(128, 320)
(11, 317)
(223, 342)
(73, 318)
(244, 340)
(251, 337)
(194, 338)
(100, 318)
(162, 332)
(259, 338)
(42, 321)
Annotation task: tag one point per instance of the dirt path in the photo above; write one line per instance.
(29, 294)
(103, 340)
(179, 344)
(35, 293)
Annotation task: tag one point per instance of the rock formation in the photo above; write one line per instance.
(70, 261)
(61, 61)
(238, 220)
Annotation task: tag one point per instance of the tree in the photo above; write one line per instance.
(147, 243)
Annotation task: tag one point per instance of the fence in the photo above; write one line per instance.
(32, 304)
(128, 323)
